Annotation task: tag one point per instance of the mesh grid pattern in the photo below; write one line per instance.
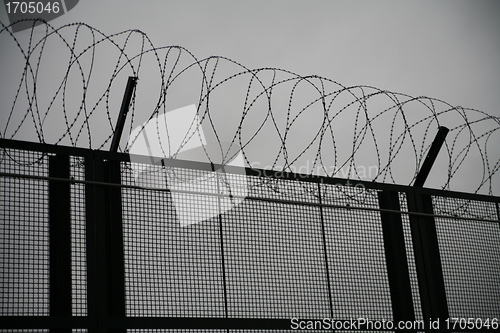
(465, 208)
(281, 189)
(356, 254)
(219, 331)
(352, 195)
(40, 331)
(78, 242)
(275, 261)
(470, 256)
(193, 330)
(24, 252)
(357, 261)
(26, 331)
(412, 269)
(272, 331)
(171, 269)
(177, 331)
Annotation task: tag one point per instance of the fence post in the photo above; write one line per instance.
(96, 244)
(325, 250)
(221, 235)
(115, 261)
(395, 256)
(60, 239)
(427, 258)
(105, 252)
(498, 212)
(120, 123)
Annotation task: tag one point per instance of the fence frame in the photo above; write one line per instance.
(104, 235)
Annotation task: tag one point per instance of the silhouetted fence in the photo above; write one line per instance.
(93, 241)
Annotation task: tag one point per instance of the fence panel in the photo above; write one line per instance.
(198, 246)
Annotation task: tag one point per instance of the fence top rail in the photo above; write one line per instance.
(285, 201)
(264, 173)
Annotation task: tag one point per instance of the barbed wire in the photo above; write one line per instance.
(275, 118)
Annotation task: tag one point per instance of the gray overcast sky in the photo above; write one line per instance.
(448, 50)
(444, 49)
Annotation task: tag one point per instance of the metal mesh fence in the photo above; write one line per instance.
(202, 242)
(470, 257)
(24, 229)
(171, 270)
(412, 270)
(275, 261)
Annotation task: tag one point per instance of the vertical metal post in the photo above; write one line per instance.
(120, 123)
(431, 156)
(323, 233)
(395, 256)
(115, 261)
(60, 239)
(221, 235)
(105, 252)
(498, 212)
(96, 245)
(427, 258)
(425, 241)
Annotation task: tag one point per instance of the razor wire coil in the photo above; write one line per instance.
(350, 127)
